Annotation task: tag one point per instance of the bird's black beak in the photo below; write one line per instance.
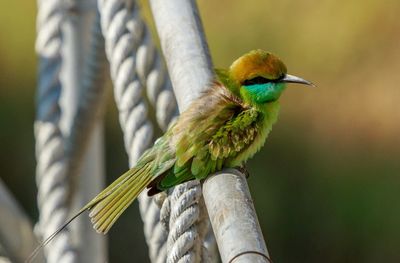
(293, 79)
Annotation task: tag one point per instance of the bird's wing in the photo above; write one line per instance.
(216, 128)
(235, 135)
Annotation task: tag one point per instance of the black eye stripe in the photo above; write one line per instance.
(256, 80)
(260, 80)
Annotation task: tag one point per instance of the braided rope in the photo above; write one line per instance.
(119, 29)
(184, 215)
(154, 77)
(135, 63)
(123, 30)
(182, 240)
(51, 175)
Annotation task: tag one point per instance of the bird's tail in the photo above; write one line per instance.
(108, 205)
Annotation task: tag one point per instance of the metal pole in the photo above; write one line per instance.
(234, 218)
(184, 47)
(189, 65)
(77, 30)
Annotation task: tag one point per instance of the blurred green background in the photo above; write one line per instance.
(326, 185)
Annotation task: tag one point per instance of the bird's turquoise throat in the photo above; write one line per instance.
(263, 92)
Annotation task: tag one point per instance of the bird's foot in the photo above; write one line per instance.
(243, 169)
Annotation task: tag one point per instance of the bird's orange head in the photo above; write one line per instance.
(256, 63)
(259, 77)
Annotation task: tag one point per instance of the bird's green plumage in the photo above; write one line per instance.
(223, 128)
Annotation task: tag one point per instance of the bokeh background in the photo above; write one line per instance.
(326, 186)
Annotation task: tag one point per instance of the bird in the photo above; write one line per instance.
(222, 128)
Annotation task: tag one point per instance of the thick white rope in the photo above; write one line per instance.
(119, 29)
(51, 170)
(134, 63)
(183, 245)
(123, 29)
(154, 77)
(183, 214)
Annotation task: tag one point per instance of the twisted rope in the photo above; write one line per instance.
(119, 28)
(184, 216)
(51, 175)
(123, 30)
(154, 77)
(183, 245)
(135, 63)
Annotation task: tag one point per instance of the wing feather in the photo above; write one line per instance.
(215, 128)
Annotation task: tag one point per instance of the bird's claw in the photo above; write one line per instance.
(243, 169)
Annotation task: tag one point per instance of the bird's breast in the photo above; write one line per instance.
(264, 126)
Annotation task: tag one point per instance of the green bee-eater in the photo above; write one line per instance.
(224, 127)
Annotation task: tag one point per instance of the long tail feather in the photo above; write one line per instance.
(109, 204)
(51, 237)
(113, 202)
